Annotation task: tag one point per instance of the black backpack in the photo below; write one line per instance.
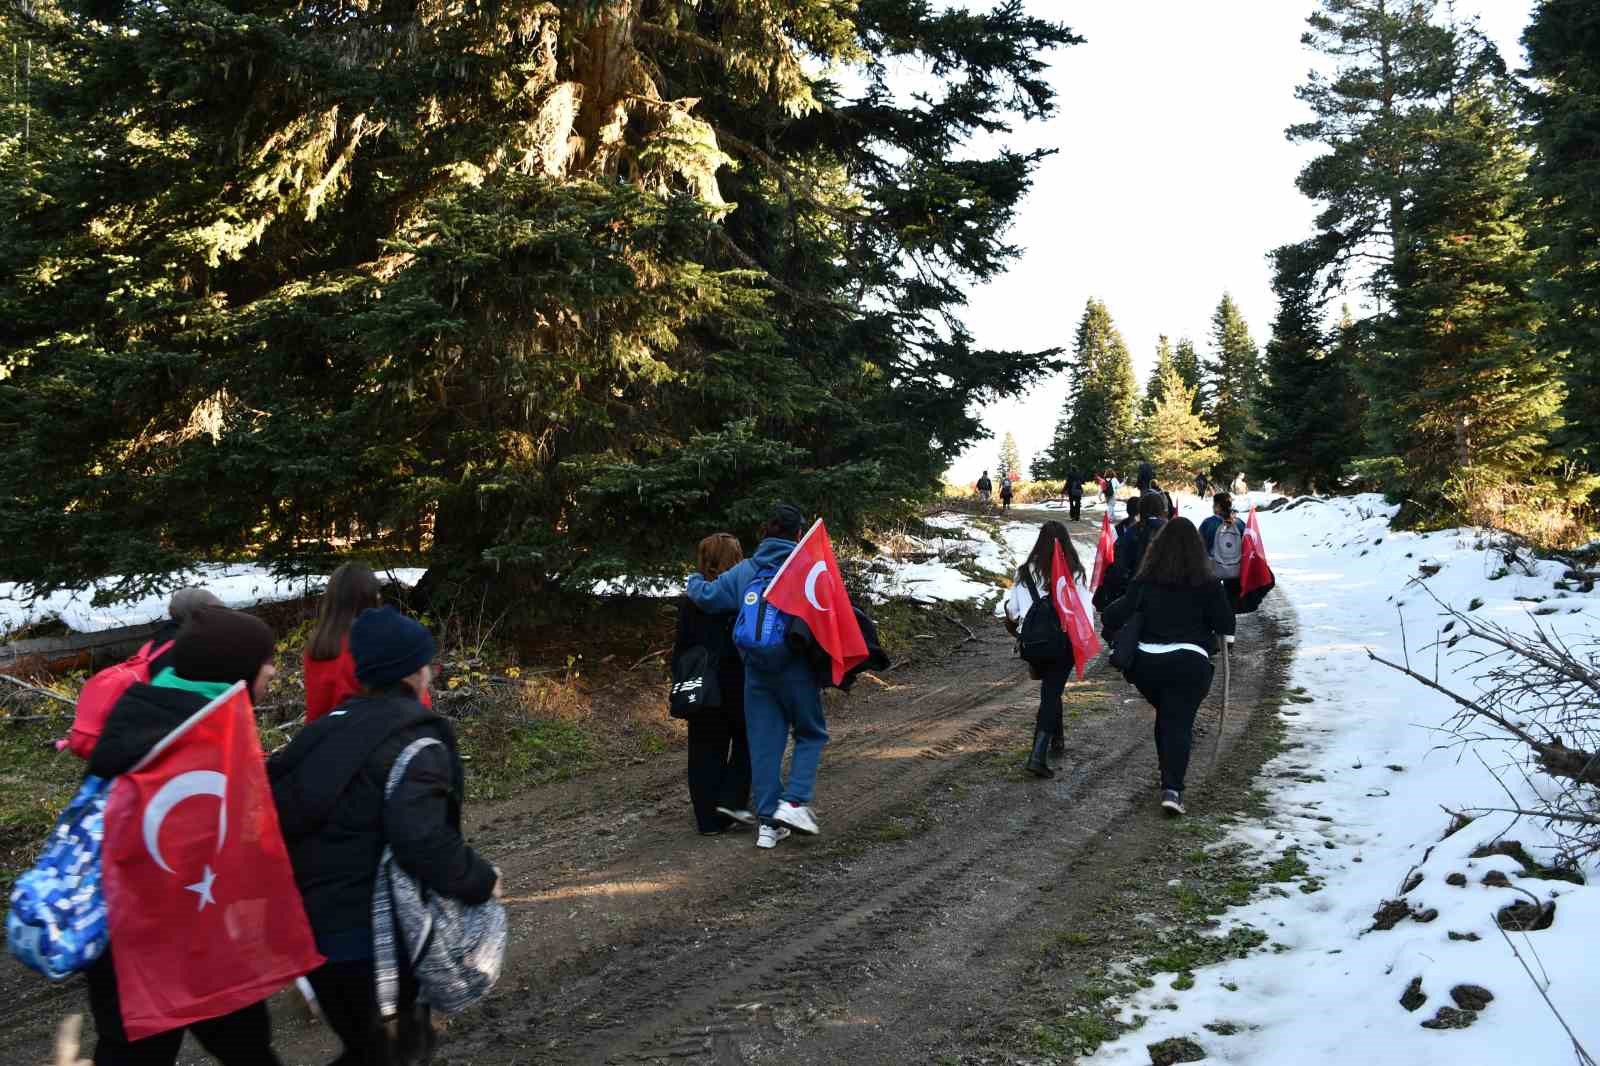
(1040, 640)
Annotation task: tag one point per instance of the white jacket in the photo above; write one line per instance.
(1019, 600)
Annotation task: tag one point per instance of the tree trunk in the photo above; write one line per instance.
(604, 67)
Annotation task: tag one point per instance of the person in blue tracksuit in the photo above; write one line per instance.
(781, 696)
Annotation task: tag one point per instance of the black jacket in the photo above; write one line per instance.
(328, 784)
(144, 714)
(714, 632)
(1173, 614)
(1130, 548)
(804, 642)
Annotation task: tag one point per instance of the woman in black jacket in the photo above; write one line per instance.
(1183, 610)
(719, 753)
(329, 788)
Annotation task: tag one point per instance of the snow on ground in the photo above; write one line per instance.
(1364, 810)
(235, 584)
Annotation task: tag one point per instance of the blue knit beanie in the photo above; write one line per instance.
(388, 646)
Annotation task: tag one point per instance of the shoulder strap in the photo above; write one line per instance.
(397, 772)
(1027, 579)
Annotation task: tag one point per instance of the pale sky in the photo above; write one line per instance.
(1172, 182)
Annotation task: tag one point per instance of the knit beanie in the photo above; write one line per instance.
(786, 520)
(186, 602)
(218, 644)
(387, 646)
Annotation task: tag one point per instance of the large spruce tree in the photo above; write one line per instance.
(1177, 442)
(1563, 107)
(1305, 434)
(1186, 358)
(554, 287)
(1231, 376)
(1096, 427)
(1165, 369)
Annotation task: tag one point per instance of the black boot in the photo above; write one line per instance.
(1058, 746)
(1038, 765)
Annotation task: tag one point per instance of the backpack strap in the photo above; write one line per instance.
(1027, 579)
(397, 772)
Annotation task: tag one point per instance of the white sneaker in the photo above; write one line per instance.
(797, 817)
(741, 815)
(769, 836)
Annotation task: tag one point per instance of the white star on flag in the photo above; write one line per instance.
(202, 888)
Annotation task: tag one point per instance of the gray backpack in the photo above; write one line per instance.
(454, 949)
(1227, 548)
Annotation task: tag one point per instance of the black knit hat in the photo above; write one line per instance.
(388, 646)
(218, 644)
(786, 520)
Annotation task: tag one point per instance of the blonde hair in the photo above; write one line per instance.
(718, 553)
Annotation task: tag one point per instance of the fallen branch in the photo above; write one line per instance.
(653, 655)
(1584, 1058)
(37, 691)
(953, 620)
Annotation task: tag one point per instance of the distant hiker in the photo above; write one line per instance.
(215, 648)
(330, 671)
(703, 655)
(984, 487)
(1075, 494)
(1131, 546)
(1202, 485)
(1223, 535)
(781, 693)
(1032, 619)
(1240, 486)
(330, 785)
(1147, 477)
(1005, 494)
(1180, 611)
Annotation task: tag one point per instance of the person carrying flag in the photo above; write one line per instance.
(215, 649)
(781, 694)
(1033, 592)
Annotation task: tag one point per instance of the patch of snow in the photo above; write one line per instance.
(1364, 810)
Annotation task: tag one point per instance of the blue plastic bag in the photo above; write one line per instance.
(57, 921)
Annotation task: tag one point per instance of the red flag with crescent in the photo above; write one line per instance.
(1105, 552)
(808, 586)
(204, 914)
(1254, 572)
(1072, 614)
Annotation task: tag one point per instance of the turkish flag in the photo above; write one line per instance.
(204, 914)
(1072, 614)
(1254, 573)
(808, 586)
(1105, 553)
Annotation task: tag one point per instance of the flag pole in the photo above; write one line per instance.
(1227, 685)
(814, 527)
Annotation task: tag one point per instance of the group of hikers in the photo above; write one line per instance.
(1108, 487)
(375, 771)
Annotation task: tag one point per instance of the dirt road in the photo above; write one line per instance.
(909, 931)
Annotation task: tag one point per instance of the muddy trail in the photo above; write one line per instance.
(908, 931)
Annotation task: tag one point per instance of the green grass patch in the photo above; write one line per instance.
(36, 782)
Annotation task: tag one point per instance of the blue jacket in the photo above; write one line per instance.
(722, 595)
(1208, 530)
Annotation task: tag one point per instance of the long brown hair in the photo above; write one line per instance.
(719, 553)
(1177, 556)
(1042, 557)
(351, 590)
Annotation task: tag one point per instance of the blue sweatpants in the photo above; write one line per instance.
(775, 704)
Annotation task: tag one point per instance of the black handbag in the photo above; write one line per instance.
(696, 686)
(1125, 645)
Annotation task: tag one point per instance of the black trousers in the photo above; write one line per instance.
(243, 1038)
(719, 768)
(1051, 685)
(1175, 683)
(1077, 506)
(348, 999)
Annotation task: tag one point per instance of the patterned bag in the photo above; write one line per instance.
(454, 949)
(57, 921)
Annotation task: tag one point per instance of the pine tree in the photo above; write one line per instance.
(547, 288)
(1154, 389)
(1563, 107)
(1231, 377)
(1306, 433)
(1177, 442)
(1187, 360)
(1010, 461)
(1096, 428)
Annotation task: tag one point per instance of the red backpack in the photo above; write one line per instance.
(101, 693)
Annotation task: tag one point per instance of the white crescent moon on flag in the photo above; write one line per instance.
(817, 570)
(1061, 594)
(174, 792)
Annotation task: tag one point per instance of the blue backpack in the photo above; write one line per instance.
(760, 628)
(57, 921)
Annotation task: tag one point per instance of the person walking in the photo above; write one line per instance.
(1147, 477)
(1075, 494)
(330, 670)
(1130, 519)
(1034, 580)
(1223, 534)
(214, 649)
(719, 753)
(329, 785)
(781, 694)
(1202, 485)
(1183, 611)
(1005, 495)
(1132, 543)
(984, 487)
